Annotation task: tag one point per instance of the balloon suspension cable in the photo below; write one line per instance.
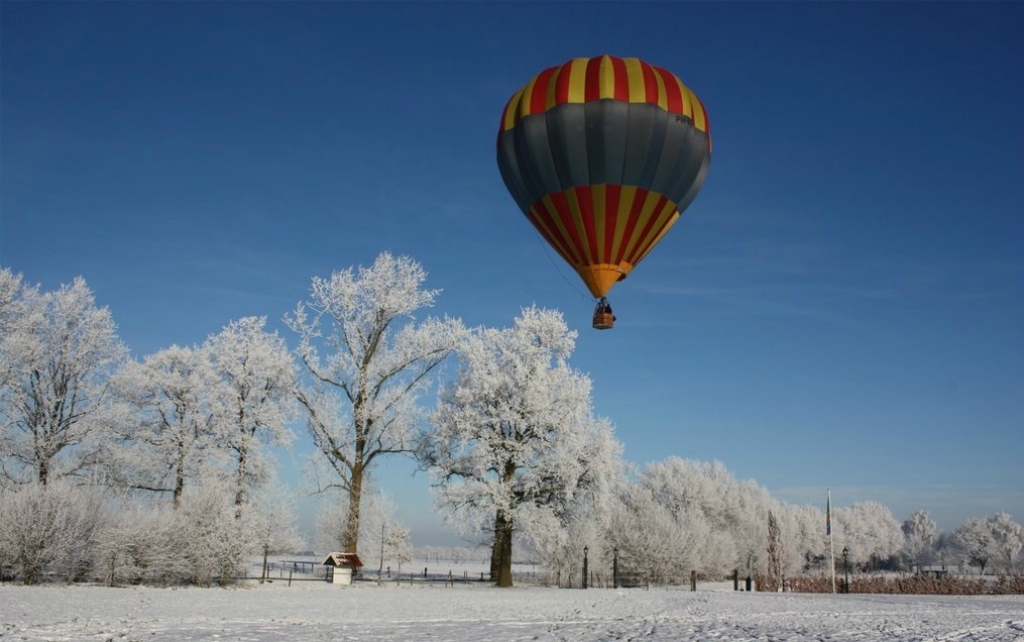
(603, 317)
(559, 267)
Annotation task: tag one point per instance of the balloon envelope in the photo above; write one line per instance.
(602, 155)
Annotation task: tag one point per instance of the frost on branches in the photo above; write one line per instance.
(869, 532)
(921, 536)
(384, 536)
(255, 397)
(168, 442)
(367, 360)
(515, 444)
(205, 411)
(57, 352)
(997, 539)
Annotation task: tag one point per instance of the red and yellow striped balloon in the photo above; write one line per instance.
(602, 155)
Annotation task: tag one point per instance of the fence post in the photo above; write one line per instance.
(289, 578)
(693, 580)
(585, 549)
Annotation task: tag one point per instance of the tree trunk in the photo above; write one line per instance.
(266, 552)
(380, 571)
(240, 481)
(495, 554)
(350, 538)
(501, 556)
(179, 479)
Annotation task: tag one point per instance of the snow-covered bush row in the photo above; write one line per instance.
(65, 532)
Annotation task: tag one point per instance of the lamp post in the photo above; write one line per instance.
(585, 549)
(846, 570)
(615, 567)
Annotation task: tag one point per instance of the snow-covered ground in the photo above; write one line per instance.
(318, 611)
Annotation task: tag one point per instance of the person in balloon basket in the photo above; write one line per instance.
(603, 317)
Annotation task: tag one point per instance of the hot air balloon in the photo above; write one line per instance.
(602, 155)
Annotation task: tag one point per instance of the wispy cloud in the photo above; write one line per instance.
(755, 300)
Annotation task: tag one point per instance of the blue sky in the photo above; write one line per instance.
(842, 305)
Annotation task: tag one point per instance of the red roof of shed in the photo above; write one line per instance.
(343, 560)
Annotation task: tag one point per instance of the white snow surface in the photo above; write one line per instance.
(318, 611)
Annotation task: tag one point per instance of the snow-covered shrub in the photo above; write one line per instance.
(49, 531)
(202, 542)
(214, 541)
(139, 547)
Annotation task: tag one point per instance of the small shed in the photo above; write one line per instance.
(341, 566)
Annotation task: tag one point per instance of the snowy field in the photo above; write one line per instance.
(318, 611)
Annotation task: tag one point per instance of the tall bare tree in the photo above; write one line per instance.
(368, 359)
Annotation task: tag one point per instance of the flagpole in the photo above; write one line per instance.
(828, 528)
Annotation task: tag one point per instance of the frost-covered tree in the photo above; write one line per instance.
(399, 546)
(803, 529)
(274, 524)
(58, 351)
(10, 294)
(329, 527)
(870, 533)
(254, 397)
(946, 551)
(997, 539)
(734, 511)
(169, 434)
(920, 537)
(1007, 539)
(513, 440)
(13, 297)
(558, 536)
(383, 536)
(367, 359)
(655, 538)
(973, 539)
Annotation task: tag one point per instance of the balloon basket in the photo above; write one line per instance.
(604, 321)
